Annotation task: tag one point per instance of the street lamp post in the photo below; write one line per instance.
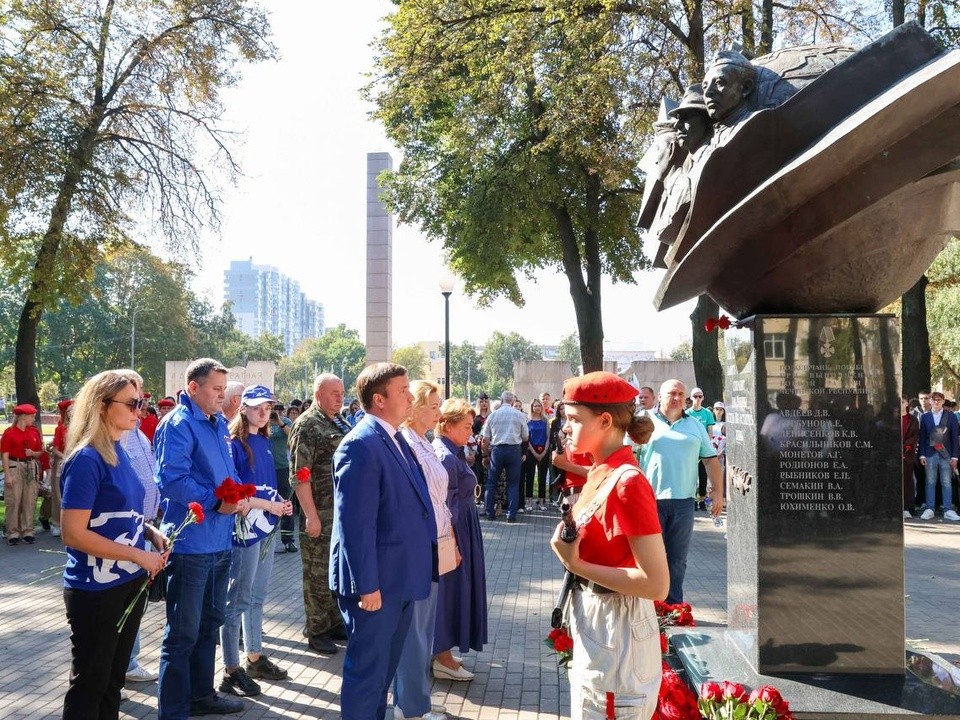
(446, 289)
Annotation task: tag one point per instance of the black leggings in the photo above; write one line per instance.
(100, 654)
(530, 468)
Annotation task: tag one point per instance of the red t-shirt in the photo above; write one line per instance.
(16, 441)
(148, 426)
(572, 481)
(629, 511)
(60, 438)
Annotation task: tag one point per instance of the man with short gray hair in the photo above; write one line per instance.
(231, 402)
(504, 433)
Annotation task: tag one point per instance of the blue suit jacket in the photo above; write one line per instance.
(952, 436)
(384, 530)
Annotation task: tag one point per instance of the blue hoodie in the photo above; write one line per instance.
(193, 458)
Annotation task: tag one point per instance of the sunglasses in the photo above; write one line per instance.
(697, 396)
(134, 405)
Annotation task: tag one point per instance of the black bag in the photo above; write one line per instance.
(157, 589)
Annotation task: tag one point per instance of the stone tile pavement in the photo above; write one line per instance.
(516, 676)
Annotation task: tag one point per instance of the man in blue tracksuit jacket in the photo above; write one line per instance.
(193, 457)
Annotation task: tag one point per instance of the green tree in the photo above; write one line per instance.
(338, 350)
(499, 354)
(466, 372)
(943, 309)
(414, 359)
(49, 394)
(115, 110)
(683, 351)
(569, 350)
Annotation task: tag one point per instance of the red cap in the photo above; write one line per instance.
(25, 409)
(598, 388)
(166, 402)
(64, 404)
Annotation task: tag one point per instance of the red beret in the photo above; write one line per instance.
(598, 388)
(25, 409)
(64, 404)
(166, 402)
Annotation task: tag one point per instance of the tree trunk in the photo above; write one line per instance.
(898, 12)
(585, 293)
(706, 362)
(915, 339)
(766, 27)
(45, 268)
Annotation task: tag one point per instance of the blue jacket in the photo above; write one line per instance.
(193, 458)
(384, 530)
(951, 439)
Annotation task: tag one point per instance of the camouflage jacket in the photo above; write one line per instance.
(313, 441)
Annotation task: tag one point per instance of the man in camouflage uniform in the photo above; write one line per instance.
(315, 437)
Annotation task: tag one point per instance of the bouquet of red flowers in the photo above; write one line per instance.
(679, 614)
(676, 701)
(194, 515)
(719, 701)
(559, 640)
(231, 492)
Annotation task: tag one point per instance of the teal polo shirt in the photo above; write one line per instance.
(670, 459)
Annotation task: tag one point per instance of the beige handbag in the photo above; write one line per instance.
(449, 558)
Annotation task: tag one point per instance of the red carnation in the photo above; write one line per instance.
(734, 691)
(197, 509)
(303, 475)
(663, 642)
(227, 491)
(711, 691)
(247, 490)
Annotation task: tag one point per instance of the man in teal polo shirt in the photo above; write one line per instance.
(669, 461)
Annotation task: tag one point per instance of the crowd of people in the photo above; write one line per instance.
(931, 446)
(140, 489)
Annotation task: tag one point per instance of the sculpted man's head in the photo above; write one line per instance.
(729, 82)
(691, 119)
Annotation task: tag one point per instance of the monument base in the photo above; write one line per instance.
(711, 655)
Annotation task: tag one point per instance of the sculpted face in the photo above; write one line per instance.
(692, 130)
(724, 90)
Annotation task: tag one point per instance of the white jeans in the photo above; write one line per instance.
(616, 650)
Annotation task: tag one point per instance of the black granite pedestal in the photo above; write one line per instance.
(815, 515)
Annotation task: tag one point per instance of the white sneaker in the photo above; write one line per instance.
(141, 674)
(437, 712)
(951, 515)
(927, 514)
(55, 531)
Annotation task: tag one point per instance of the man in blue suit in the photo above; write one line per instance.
(383, 552)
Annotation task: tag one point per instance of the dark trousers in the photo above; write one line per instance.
(504, 458)
(701, 480)
(531, 467)
(676, 523)
(100, 654)
(373, 653)
(196, 600)
(286, 522)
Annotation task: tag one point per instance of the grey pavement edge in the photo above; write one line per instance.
(516, 675)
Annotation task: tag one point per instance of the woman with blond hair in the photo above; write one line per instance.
(103, 528)
(462, 594)
(412, 685)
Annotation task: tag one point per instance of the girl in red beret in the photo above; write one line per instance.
(21, 449)
(618, 556)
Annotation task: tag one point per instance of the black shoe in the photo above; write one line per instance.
(29, 540)
(291, 548)
(13, 541)
(45, 524)
(281, 548)
(322, 644)
(264, 668)
(239, 683)
(215, 705)
(511, 519)
(338, 633)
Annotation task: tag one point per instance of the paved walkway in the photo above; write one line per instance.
(516, 676)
